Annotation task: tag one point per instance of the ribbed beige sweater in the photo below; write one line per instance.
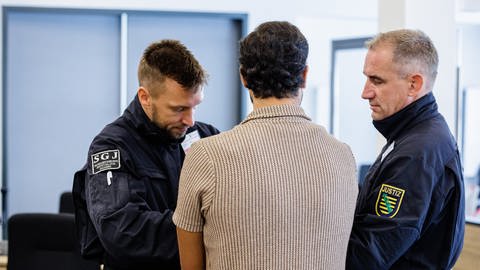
(275, 192)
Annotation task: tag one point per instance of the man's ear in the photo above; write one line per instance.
(144, 96)
(416, 86)
(244, 83)
(145, 100)
(304, 77)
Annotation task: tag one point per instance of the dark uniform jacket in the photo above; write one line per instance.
(410, 210)
(126, 193)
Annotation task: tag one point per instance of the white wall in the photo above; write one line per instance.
(469, 57)
(259, 11)
(437, 19)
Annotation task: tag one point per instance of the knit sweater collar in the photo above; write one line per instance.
(277, 111)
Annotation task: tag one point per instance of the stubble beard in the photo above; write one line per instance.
(170, 131)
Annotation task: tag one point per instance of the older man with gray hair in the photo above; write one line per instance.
(410, 210)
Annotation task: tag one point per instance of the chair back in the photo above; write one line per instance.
(362, 172)
(66, 203)
(39, 241)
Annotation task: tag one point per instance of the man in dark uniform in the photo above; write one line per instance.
(126, 193)
(410, 210)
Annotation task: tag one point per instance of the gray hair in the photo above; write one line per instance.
(413, 51)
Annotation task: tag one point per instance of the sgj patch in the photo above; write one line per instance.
(389, 201)
(106, 160)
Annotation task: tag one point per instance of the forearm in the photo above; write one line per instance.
(191, 248)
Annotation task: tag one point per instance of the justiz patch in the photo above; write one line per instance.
(389, 201)
(106, 160)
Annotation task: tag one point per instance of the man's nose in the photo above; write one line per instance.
(367, 92)
(188, 118)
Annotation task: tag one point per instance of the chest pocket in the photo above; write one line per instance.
(152, 174)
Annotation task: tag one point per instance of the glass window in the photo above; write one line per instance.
(351, 121)
(471, 153)
(469, 117)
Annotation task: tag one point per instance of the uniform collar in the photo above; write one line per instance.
(137, 116)
(420, 110)
(276, 111)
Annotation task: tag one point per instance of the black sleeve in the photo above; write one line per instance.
(89, 243)
(127, 228)
(206, 130)
(387, 225)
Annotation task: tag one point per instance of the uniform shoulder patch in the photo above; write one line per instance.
(389, 201)
(105, 160)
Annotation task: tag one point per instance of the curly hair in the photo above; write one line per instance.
(272, 60)
(170, 58)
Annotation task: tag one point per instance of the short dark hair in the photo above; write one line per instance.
(272, 60)
(170, 58)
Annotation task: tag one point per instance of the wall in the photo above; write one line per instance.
(258, 10)
(469, 57)
(439, 24)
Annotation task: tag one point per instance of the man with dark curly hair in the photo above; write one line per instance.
(277, 191)
(126, 193)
